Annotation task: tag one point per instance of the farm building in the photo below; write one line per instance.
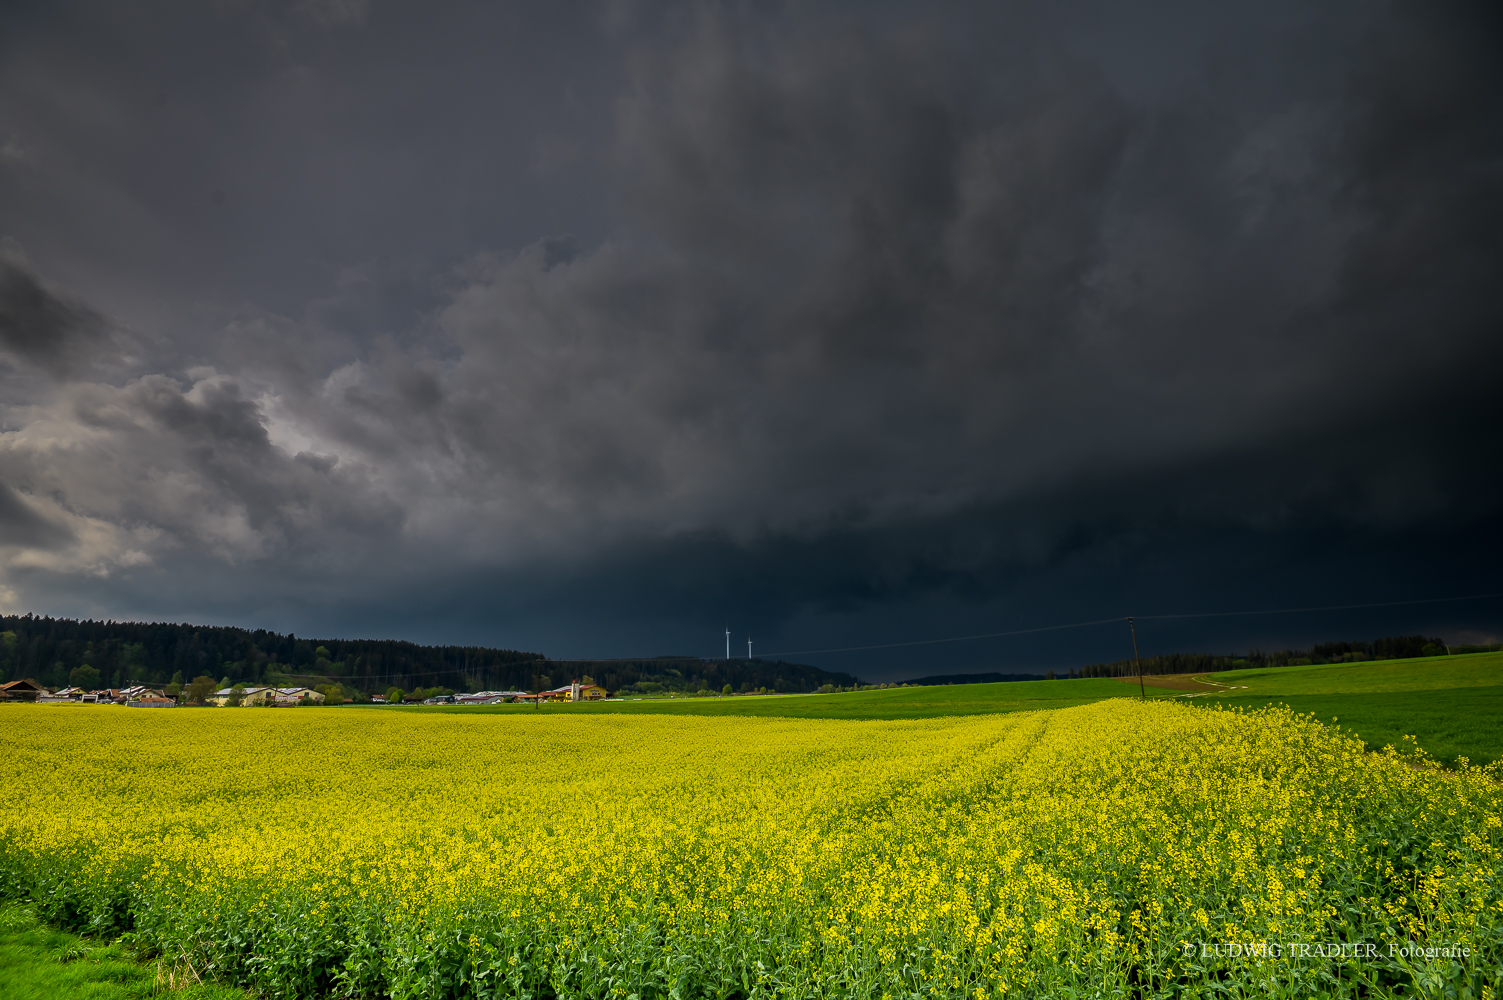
(573, 692)
(488, 697)
(23, 690)
(293, 695)
(251, 696)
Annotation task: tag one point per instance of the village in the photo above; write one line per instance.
(242, 696)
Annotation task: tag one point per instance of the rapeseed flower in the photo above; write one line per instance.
(1086, 850)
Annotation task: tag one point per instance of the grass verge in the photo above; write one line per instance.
(38, 962)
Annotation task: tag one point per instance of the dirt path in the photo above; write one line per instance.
(1196, 683)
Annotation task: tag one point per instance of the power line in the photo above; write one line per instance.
(1106, 621)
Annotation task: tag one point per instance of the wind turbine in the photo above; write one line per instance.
(748, 647)
(727, 644)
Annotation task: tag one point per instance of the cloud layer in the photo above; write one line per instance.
(889, 307)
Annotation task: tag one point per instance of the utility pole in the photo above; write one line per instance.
(1137, 662)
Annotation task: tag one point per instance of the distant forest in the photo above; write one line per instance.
(1399, 647)
(48, 650)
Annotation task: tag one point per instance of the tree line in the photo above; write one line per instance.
(688, 674)
(1398, 647)
(60, 651)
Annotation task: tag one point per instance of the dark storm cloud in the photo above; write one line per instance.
(887, 304)
(20, 525)
(886, 281)
(39, 326)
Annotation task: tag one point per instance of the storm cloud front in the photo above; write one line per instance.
(596, 329)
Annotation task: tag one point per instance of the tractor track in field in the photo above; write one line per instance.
(1195, 685)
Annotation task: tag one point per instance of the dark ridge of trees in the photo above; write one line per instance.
(941, 679)
(1399, 647)
(688, 674)
(48, 650)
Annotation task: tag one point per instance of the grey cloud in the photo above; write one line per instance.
(248, 497)
(335, 12)
(871, 279)
(890, 303)
(154, 468)
(868, 281)
(40, 325)
(22, 526)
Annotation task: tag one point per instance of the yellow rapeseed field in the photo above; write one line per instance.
(1118, 849)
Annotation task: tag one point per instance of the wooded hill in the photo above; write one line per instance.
(1398, 647)
(49, 650)
(684, 673)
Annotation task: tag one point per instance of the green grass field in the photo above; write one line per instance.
(1452, 705)
(1383, 676)
(888, 703)
(38, 962)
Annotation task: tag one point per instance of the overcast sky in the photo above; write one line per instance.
(595, 329)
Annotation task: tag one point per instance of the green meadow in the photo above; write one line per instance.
(1451, 705)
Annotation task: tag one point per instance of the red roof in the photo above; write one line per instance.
(21, 685)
